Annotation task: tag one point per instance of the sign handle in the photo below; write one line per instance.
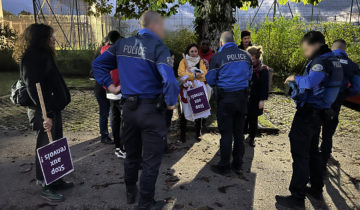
(43, 109)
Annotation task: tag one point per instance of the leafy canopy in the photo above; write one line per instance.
(128, 9)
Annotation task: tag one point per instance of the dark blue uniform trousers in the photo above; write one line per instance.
(328, 131)
(304, 145)
(144, 134)
(231, 110)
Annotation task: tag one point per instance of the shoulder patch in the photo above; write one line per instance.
(317, 67)
(343, 61)
(170, 61)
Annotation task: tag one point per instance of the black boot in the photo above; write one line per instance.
(153, 205)
(317, 194)
(131, 194)
(290, 202)
(198, 129)
(182, 128)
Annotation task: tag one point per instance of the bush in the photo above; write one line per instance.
(177, 41)
(280, 40)
(74, 62)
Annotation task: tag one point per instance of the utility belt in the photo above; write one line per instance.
(221, 93)
(324, 114)
(132, 102)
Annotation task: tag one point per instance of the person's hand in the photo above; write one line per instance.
(113, 89)
(171, 107)
(290, 78)
(47, 124)
(198, 75)
(261, 104)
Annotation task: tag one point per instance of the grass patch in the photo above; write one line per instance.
(8, 78)
(264, 122)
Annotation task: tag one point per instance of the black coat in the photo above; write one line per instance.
(39, 66)
(259, 91)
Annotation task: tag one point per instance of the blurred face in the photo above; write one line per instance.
(205, 46)
(246, 40)
(193, 52)
(52, 42)
(254, 59)
(158, 28)
(309, 49)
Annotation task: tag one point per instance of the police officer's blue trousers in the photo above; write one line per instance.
(144, 134)
(328, 131)
(304, 144)
(231, 111)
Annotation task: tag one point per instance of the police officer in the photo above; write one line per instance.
(352, 77)
(230, 72)
(317, 89)
(146, 77)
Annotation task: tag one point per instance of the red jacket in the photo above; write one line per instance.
(207, 56)
(114, 73)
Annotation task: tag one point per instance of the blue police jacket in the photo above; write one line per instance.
(230, 68)
(321, 82)
(351, 74)
(144, 64)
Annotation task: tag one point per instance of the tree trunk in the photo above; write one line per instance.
(212, 18)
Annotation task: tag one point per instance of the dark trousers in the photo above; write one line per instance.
(231, 110)
(304, 145)
(104, 108)
(328, 131)
(36, 122)
(251, 125)
(144, 133)
(199, 124)
(116, 111)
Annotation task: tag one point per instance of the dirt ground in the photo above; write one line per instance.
(185, 179)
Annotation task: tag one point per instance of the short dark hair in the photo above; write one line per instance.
(245, 33)
(313, 37)
(189, 47)
(113, 36)
(172, 53)
(341, 41)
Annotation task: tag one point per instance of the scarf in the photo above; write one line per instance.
(192, 61)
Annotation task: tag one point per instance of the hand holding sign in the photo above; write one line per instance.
(55, 158)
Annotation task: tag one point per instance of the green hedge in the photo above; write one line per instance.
(70, 62)
(280, 40)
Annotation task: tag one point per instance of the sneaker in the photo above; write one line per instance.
(119, 153)
(317, 194)
(107, 140)
(290, 202)
(49, 194)
(236, 169)
(131, 194)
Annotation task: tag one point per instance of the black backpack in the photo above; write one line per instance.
(19, 94)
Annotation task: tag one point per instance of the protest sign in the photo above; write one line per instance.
(55, 160)
(198, 100)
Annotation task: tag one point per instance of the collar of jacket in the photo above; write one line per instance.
(229, 44)
(323, 51)
(340, 53)
(149, 32)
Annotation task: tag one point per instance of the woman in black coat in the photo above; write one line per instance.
(35, 52)
(259, 89)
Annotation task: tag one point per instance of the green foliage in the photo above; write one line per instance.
(177, 41)
(280, 40)
(74, 62)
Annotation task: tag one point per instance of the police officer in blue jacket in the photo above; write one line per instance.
(229, 73)
(349, 88)
(317, 90)
(149, 86)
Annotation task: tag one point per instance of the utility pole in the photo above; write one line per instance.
(34, 7)
(274, 15)
(351, 9)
